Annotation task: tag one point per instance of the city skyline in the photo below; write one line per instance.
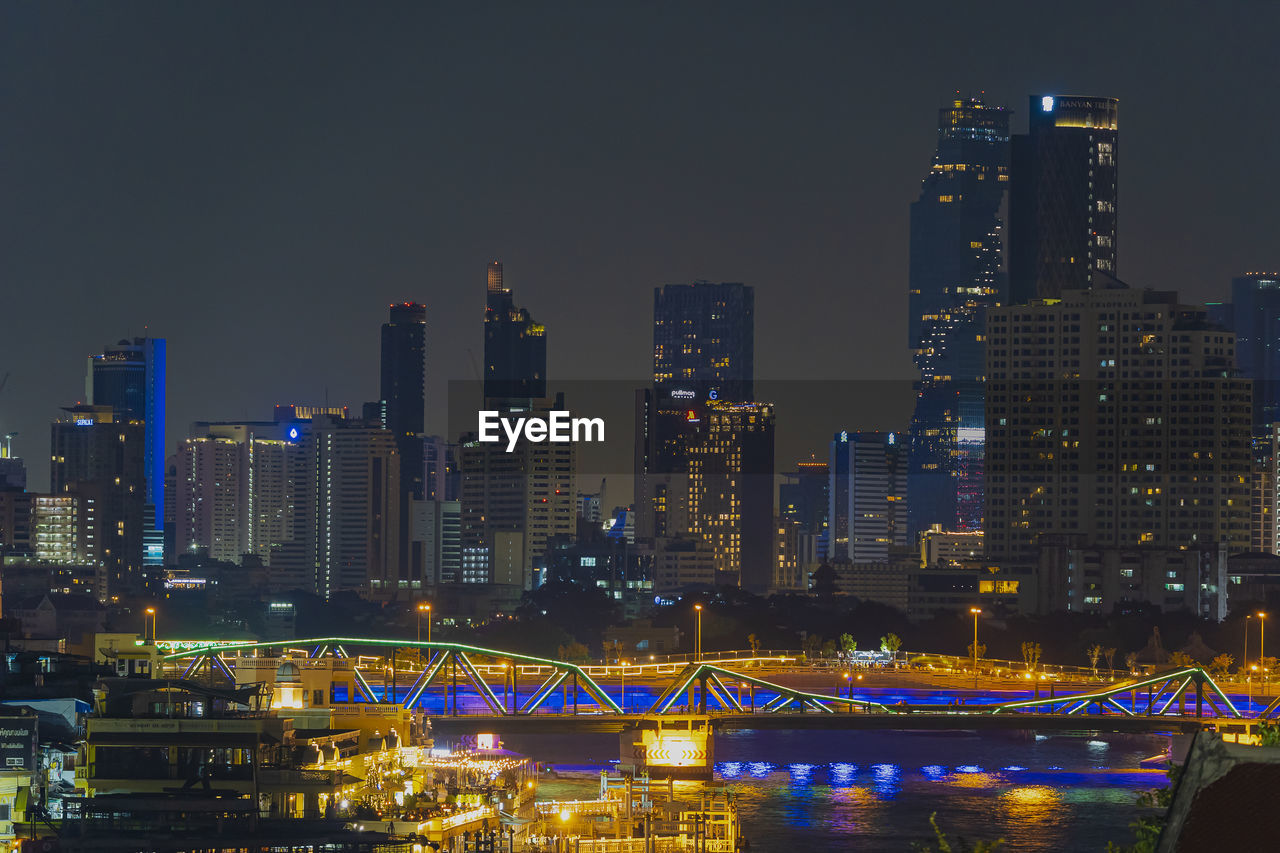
(140, 222)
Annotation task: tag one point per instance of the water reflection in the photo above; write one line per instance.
(842, 774)
(822, 792)
(800, 773)
(888, 778)
(1029, 811)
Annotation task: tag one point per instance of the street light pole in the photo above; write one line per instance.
(976, 612)
(1244, 664)
(697, 637)
(424, 608)
(1262, 650)
(150, 611)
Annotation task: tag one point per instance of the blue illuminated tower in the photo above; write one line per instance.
(130, 378)
(956, 274)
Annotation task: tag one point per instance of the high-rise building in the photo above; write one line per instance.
(16, 506)
(1063, 206)
(356, 473)
(442, 477)
(437, 524)
(66, 529)
(13, 473)
(867, 496)
(1114, 418)
(704, 340)
(802, 497)
(956, 273)
(513, 503)
(730, 497)
(99, 455)
(1254, 315)
(515, 349)
(402, 411)
(703, 351)
(266, 484)
(211, 498)
(1264, 503)
(130, 378)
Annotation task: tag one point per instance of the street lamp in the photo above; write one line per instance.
(697, 637)
(976, 613)
(1244, 664)
(424, 608)
(150, 611)
(564, 830)
(1262, 648)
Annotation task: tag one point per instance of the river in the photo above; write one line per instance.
(804, 791)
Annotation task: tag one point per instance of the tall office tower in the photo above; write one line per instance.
(868, 496)
(730, 498)
(442, 477)
(513, 503)
(355, 469)
(703, 350)
(515, 349)
(1264, 510)
(1254, 315)
(1114, 418)
(403, 413)
(211, 499)
(130, 377)
(269, 489)
(704, 340)
(437, 524)
(802, 496)
(1063, 203)
(956, 273)
(100, 455)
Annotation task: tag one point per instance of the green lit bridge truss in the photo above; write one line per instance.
(703, 681)
(444, 662)
(1158, 694)
(704, 686)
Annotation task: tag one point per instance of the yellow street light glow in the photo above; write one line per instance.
(564, 815)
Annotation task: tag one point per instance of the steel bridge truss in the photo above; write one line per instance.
(444, 662)
(703, 681)
(1160, 694)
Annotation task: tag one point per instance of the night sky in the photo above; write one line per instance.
(257, 181)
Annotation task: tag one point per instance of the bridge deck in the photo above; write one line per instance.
(614, 723)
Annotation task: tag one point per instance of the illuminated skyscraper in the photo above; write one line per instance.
(868, 496)
(98, 456)
(1063, 205)
(513, 503)
(404, 359)
(1255, 317)
(703, 351)
(130, 378)
(404, 353)
(956, 274)
(515, 349)
(1114, 418)
(730, 491)
(704, 340)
